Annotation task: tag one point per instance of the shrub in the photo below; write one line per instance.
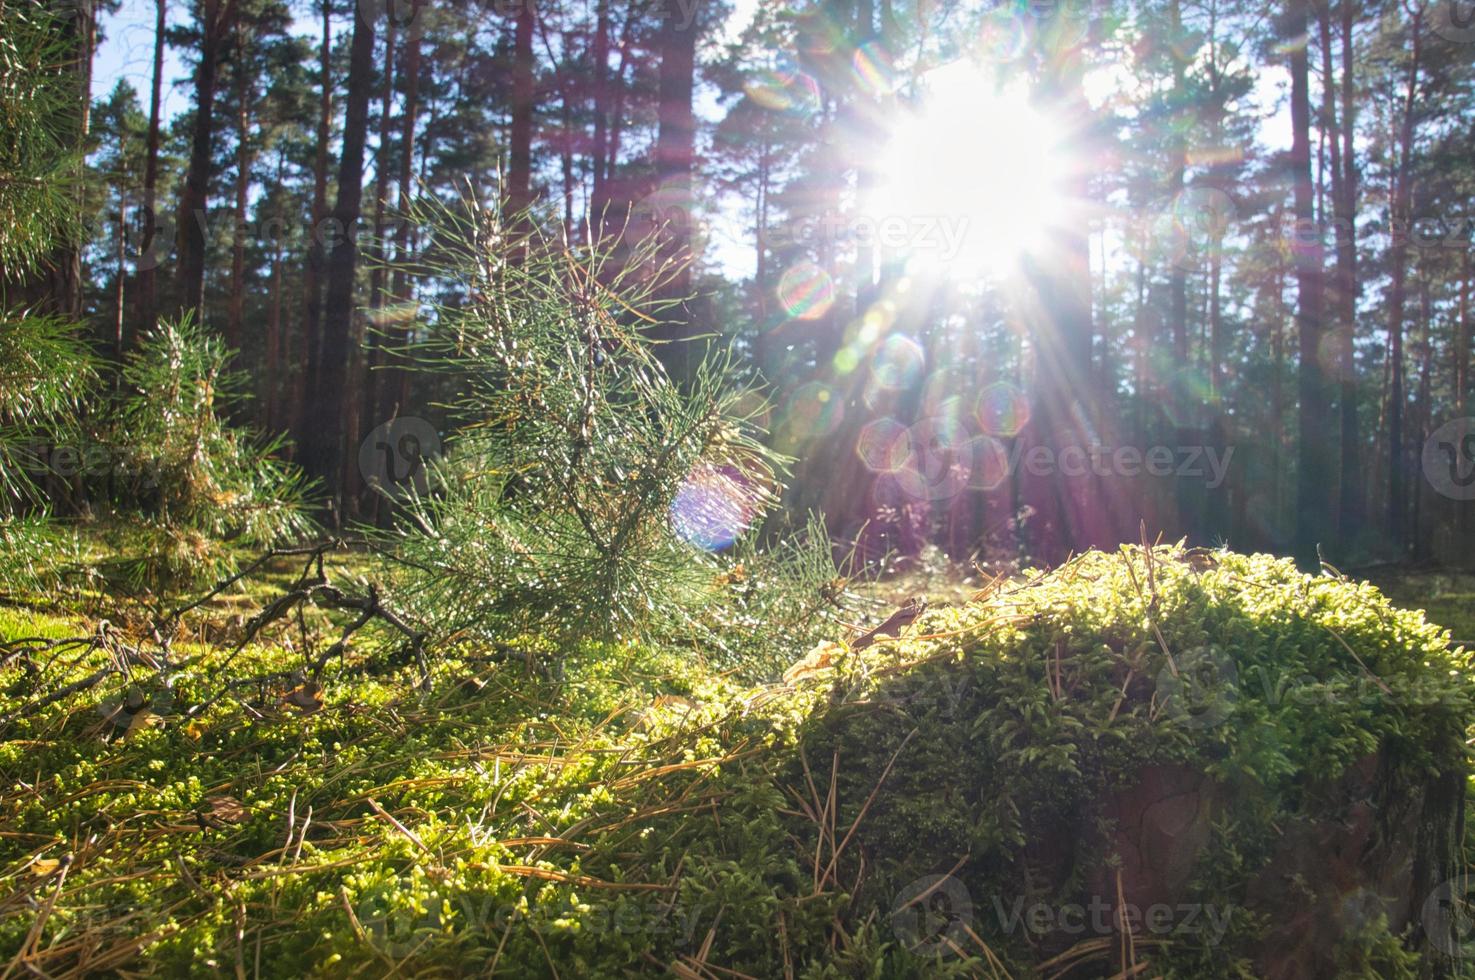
(587, 494)
(199, 484)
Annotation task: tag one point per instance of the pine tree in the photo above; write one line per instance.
(585, 488)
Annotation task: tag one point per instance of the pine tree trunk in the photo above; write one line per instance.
(273, 394)
(1312, 474)
(1178, 278)
(1277, 392)
(1423, 519)
(1073, 516)
(369, 357)
(330, 400)
(1463, 330)
(120, 272)
(600, 107)
(1398, 271)
(149, 249)
(1352, 480)
(520, 136)
(866, 178)
(675, 159)
(215, 20)
(311, 334)
(394, 390)
(236, 307)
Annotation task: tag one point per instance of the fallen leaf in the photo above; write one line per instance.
(894, 623)
(141, 720)
(1200, 559)
(307, 696)
(821, 657)
(222, 810)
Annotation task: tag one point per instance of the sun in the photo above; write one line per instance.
(976, 172)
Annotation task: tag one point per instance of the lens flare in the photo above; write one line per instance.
(1003, 410)
(806, 292)
(989, 463)
(898, 362)
(882, 445)
(938, 460)
(1188, 391)
(814, 410)
(873, 69)
(1003, 35)
(713, 507)
(781, 90)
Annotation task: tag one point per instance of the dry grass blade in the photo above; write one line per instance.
(865, 807)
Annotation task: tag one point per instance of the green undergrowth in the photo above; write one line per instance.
(637, 811)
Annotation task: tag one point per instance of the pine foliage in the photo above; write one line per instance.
(38, 124)
(197, 480)
(588, 495)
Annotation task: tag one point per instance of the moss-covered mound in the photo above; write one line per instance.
(1176, 763)
(1205, 761)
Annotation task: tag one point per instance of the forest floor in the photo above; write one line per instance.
(292, 827)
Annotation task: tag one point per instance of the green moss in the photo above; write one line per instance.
(642, 809)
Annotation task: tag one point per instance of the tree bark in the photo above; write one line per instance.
(1073, 516)
(148, 260)
(1313, 471)
(1178, 278)
(395, 389)
(1402, 207)
(120, 270)
(274, 322)
(236, 308)
(1423, 418)
(520, 136)
(1351, 479)
(216, 18)
(329, 400)
(674, 159)
(311, 334)
(368, 357)
(600, 104)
